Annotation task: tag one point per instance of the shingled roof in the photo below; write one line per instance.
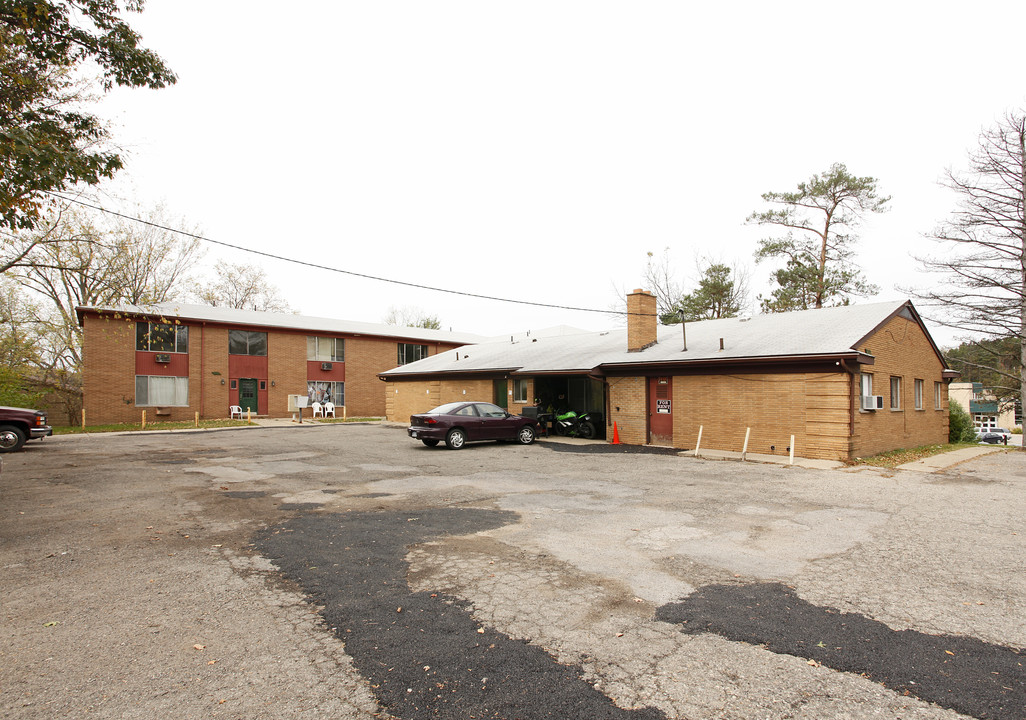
(836, 332)
(254, 318)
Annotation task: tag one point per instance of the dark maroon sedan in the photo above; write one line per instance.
(462, 422)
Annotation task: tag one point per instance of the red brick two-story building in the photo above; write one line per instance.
(178, 360)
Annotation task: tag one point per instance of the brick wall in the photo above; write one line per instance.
(410, 397)
(627, 408)
(109, 368)
(901, 350)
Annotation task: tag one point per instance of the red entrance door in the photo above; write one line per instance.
(660, 411)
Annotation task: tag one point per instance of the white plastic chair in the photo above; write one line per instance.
(329, 409)
(236, 411)
(317, 409)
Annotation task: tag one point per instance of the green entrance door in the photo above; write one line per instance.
(248, 395)
(501, 391)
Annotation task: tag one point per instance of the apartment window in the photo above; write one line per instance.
(247, 342)
(919, 394)
(937, 396)
(161, 337)
(520, 391)
(325, 392)
(154, 390)
(895, 393)
(325, 349)
(866, 383)
(411, 353)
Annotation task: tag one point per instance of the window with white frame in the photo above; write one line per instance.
(161, 337)
(919, 394)
(866, 383)
(937, 396)
(520, 390)
(161, 391)
(325, 349)
(323, 391)
(895, 393)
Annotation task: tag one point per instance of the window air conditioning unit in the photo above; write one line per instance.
(325, 366)
(162, 358)
(872, 402)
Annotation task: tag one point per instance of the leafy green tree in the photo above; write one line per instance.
(818, 248)
(960, 424)
(718, 295)
(48, 142)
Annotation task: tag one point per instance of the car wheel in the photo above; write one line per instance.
(430, 442)
(526, 435)
(11, 438)
(587, 431)
(455, 439)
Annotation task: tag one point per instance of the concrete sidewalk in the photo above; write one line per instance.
(943, 461)
(761, 458)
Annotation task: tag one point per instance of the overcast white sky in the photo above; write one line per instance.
(538, 150)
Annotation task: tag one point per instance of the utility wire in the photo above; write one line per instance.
(333, 269)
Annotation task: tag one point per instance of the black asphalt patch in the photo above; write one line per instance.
(422, 653)
(601, 447)
(960, 673)
(245, 494)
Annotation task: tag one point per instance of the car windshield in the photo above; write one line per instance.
(447, 409)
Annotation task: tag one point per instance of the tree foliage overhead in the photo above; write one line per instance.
(818, 247)
(721, 293)
(411, 317)
(48, 142)
(721, 290)
(242, 287)
(982, 263)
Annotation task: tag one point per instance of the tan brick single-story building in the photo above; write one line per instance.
(177, 360)
(844, 382)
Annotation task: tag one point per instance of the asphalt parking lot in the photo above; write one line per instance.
(349, 572)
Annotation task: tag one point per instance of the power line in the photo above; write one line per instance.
(318, 266)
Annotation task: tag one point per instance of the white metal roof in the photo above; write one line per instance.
(828, 331)
(205, 313)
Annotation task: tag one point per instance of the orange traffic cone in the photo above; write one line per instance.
(616, 434)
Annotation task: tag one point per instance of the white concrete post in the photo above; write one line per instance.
(744, 451)
(792, 450)
(698, 444)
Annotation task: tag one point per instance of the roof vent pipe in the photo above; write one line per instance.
(721, 343)
(684, 332)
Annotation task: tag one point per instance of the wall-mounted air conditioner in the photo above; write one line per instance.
(325, 366)
(872, 402)
(162, 358)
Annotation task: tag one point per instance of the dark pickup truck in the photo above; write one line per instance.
(20, 424)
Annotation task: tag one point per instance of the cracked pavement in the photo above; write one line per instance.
(135, 584)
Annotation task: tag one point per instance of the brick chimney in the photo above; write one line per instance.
(642, 320)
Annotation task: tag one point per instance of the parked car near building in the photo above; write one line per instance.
(17, 425)
(461, 422)
(994, 436)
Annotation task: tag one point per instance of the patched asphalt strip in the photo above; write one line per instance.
(960, 673)
(422, 653)
(608, 448)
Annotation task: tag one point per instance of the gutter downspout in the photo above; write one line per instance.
(851, 403)
(203, 375)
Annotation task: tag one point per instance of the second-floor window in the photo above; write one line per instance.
(161, 337)
(411, 353)
(326, 349)
(247, 342)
